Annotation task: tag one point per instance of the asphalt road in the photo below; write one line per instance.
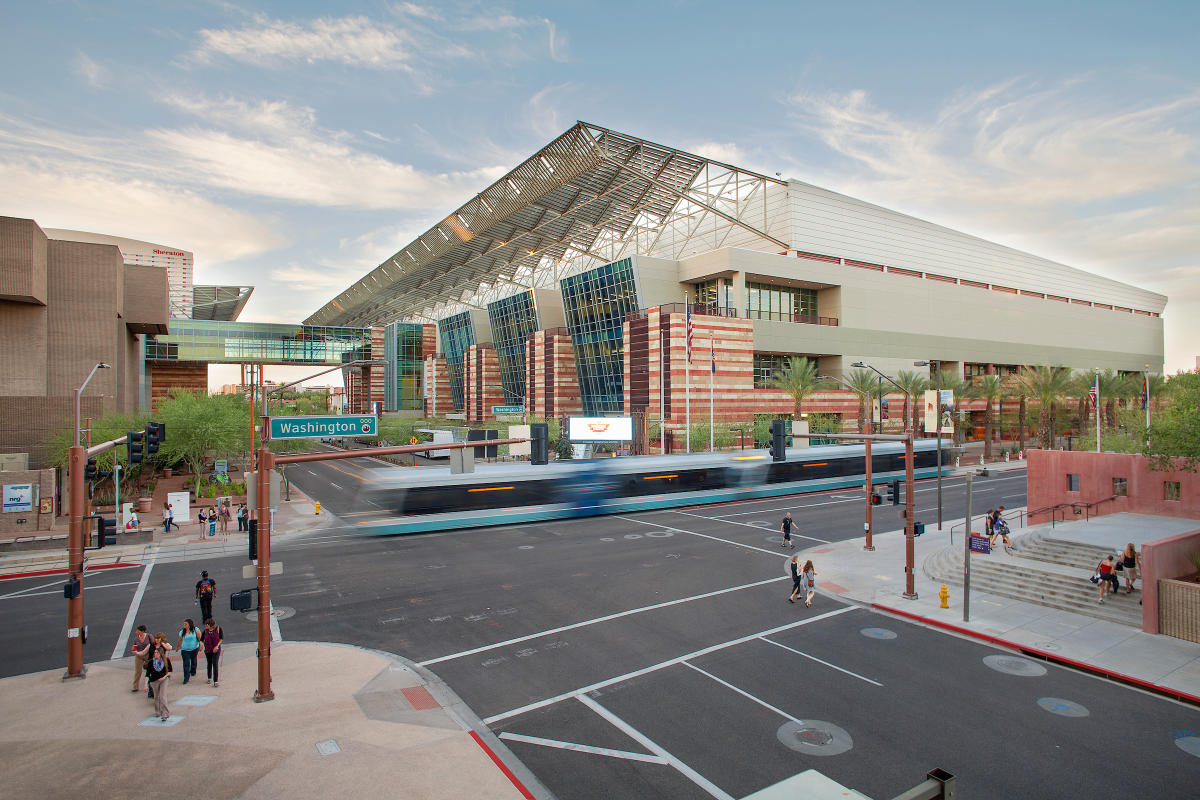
(654, 655)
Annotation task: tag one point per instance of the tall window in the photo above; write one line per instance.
(715, 293)
(404, 353)
(767, 365)
(766, 301)
(457, 335)
(595, 304)
(512, 320)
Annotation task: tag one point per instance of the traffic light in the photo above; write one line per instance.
(894, 492)
(106, 531)
(778, 444)
(89, 472)
(133, 443)
(153, 437)
(539, 443)
(71, 589)
(253, 540)
(875, 499)
(918, 527)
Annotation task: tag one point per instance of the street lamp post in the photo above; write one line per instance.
(77, 461)
(266, 462)
(910, 555)
(868, 483)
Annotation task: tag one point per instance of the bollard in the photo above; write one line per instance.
(317, 506)
(944, 594)
(957, 462)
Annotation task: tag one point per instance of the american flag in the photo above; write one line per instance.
(690, 331)
(1092, 397)
(712, 354)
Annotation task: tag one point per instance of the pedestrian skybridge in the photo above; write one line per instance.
(218, 342)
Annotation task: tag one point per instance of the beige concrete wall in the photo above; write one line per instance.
(22, 261)
(658, 281)
(146, 300)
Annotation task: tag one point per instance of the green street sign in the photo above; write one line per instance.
(508, 409)
(325, 426)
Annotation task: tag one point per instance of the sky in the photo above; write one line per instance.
(294, 146)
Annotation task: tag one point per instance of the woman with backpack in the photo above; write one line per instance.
(212, 638)
(189, 648)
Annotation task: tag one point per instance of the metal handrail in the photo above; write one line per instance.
(1076, 506)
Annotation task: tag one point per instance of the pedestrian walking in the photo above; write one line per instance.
(160, 676)
(206, 590)
(158, 640)
(169, 518)
(1131, 560)
(786, 527)
(213, 638)
(189, 649)
(142, 650)
(809, 575)
(1108, 580)
(794, 565)
(243, 517)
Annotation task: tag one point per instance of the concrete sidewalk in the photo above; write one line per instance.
(1161, 663)
(346, 722)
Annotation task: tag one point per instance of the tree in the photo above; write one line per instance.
(1047, 385)
(198, 424)
(989, 389)
(914, 383)
(1174, 440)
(562, 445)
(863, 383)
(799, 380)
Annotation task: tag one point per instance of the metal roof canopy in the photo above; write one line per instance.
(223, 303)
(590, 184)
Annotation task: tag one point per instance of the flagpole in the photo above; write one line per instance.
(712, 371)
(1097, 386)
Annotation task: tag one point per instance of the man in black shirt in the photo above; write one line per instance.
(786, 527)
(206, 590)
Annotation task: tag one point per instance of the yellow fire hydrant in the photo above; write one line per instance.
(944, 594)
(317, 505)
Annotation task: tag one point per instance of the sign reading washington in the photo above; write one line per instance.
(321, 427)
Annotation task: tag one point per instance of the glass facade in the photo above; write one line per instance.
(458, 333)
(403, 347)
(512, 320)
(595, 304)
(269, 343)
(767, 301)
(766, 365)
(715, 293)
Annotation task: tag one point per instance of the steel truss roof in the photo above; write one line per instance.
(585, 198)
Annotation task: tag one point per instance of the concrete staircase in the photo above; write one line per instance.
(1040, 570)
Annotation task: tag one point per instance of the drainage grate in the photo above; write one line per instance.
(328, 747)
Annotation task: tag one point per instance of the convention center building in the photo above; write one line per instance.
(567, 285)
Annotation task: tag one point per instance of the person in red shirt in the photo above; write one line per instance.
(1108, 578)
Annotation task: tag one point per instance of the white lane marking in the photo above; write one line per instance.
(29, 589)
(819, 661)
(714, 538)
(743, 693)
(598, 620)
(1011, 496)
(134, 605)
(646, 742)
(59, 591)
(583, 748)
(744, 525)
(334, 485)
(549, 701)
(782, 508)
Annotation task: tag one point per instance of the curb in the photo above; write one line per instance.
(64, 571)
(502, 766)
(1082, 666)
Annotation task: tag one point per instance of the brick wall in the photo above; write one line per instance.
(437, 384)
(163, 377)
(481, 383)
(22, 261)
(552, 383)
(1047, 481)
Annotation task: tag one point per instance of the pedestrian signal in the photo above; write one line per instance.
(106, 531)
(89, 472)
(777, 446)
(894, 492)
(133, 443)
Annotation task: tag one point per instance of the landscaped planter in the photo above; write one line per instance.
(1179, 608)
(144, 504)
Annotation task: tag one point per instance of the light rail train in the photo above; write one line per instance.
(428, 499)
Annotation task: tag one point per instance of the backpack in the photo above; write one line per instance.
(206, 586)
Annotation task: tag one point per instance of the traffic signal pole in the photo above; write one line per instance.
(870, 488)
(76, 462)
(910, 506)
(262, 478)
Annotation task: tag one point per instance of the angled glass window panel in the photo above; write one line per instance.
(595, 304)
(457, 335)
(512, 319)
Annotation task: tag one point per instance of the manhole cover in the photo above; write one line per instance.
(660, 534)
(633, 536)
(607, 539)
(525, 547)
(1062, 707)
(814, 737)
(278, 612)
(878, 633)
(1015, 665)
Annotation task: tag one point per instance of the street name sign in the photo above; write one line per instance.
(508, 409)
(325, 426)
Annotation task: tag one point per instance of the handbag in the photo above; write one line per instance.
(1095, 577)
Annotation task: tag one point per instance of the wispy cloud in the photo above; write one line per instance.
(558, 42)
(95, 74)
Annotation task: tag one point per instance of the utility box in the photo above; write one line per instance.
(242, 601)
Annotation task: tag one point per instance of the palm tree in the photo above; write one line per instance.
(863, 383)
(1013, 390)
(800, 379)
(989, 389)
(914, 383)
(1047, 385)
